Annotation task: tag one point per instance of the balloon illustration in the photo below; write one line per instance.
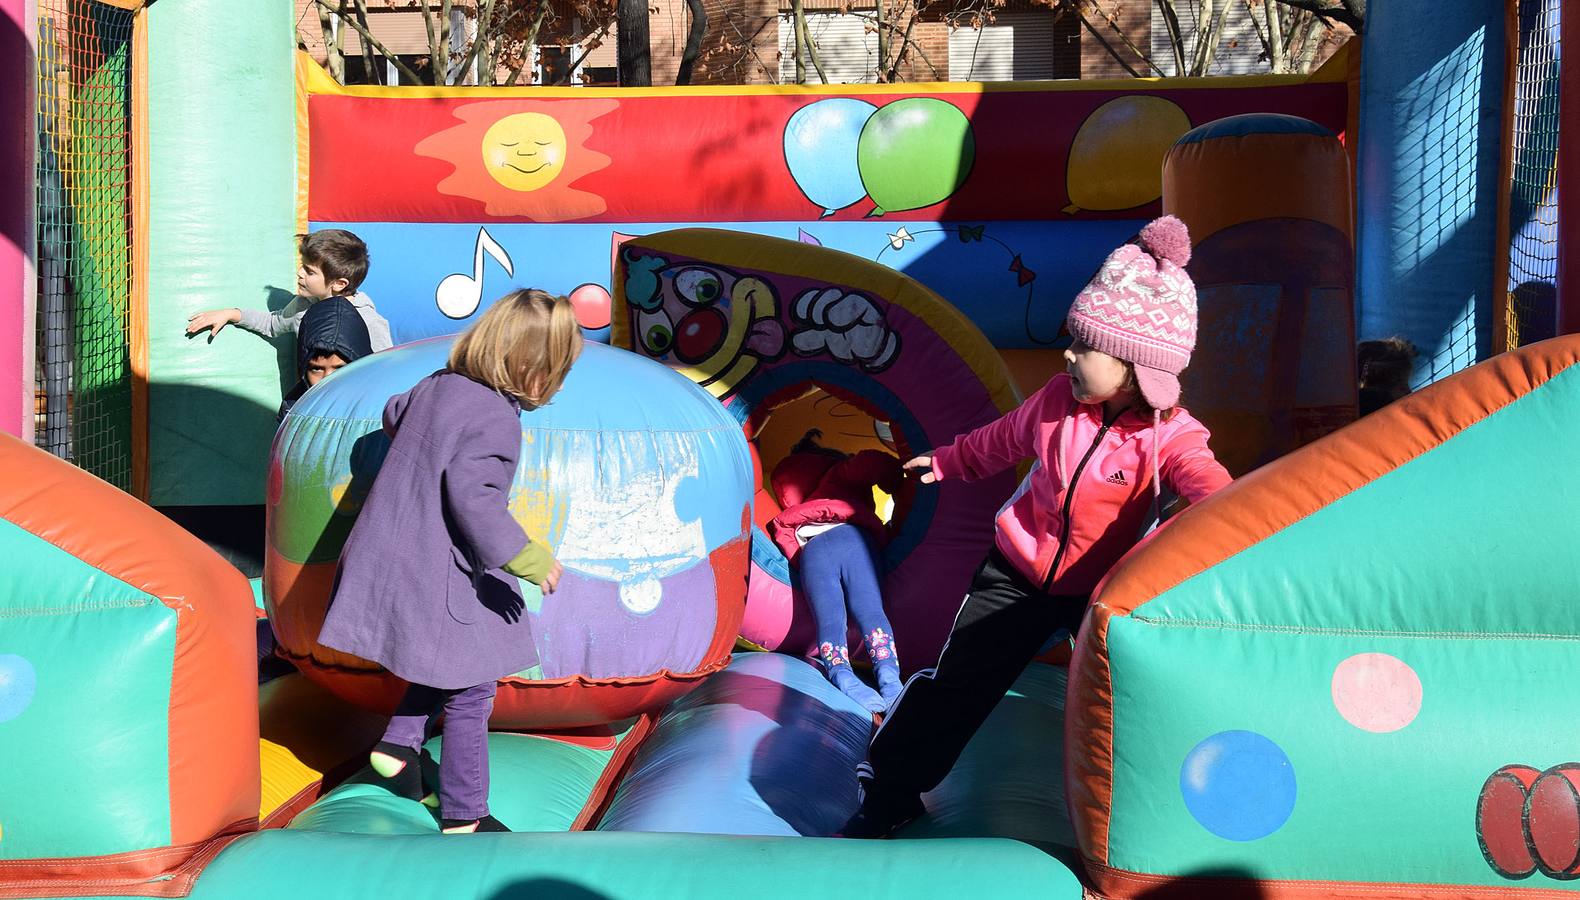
(820, 149)
(915, 152)
(1116, 159)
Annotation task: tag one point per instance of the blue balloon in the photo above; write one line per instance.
(820, 149)
(18, 681)
(1239, 785)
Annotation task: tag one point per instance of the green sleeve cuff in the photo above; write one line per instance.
(532, 563)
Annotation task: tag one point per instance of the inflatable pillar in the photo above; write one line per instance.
(221, 226)
(1267, 200)
(17, 60)
(1430, 119)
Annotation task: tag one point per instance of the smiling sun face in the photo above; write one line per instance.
(525, 151)
(523, 159)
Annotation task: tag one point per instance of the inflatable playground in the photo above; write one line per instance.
(1340, 676)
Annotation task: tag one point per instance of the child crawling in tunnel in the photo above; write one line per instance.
(829, 529)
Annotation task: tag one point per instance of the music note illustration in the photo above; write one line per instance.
(458, 294)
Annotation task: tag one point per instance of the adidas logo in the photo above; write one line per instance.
(1117, 478)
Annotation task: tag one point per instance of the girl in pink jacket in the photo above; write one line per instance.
(1107, 436)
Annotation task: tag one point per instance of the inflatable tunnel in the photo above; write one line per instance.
(761, 323)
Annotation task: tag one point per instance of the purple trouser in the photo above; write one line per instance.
(463, 763)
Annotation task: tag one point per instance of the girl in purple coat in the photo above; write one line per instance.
(427, 582)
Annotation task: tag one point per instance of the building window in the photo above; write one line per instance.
(1017, 46)
(1239, 49)
(848, 51)
(420, 64)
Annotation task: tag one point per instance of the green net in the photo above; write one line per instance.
(1533, 188)
(84, 181)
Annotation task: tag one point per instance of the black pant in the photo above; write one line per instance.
(1004, 621)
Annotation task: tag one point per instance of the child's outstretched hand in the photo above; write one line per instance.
(536, 564)
(925, 463)
(213, 320)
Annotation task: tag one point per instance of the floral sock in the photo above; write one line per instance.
(885, 663)
(836, 663)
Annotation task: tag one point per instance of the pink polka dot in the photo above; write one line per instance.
(592, 303)
(1376, 692)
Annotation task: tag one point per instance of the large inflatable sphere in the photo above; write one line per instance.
(638, 480)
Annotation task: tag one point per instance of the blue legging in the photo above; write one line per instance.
(839, 569)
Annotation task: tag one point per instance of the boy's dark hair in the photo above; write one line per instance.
(1382, 370)
(809, 444)
(338, 254)
(1385, 364)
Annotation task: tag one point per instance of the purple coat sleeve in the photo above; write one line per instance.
(476, 487)
(393, 410)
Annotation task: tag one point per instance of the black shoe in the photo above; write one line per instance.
(471, 826)
(407, 782)
(879, 819)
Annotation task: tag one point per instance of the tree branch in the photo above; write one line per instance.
(1110, 47)
(1113, 25)
(1344, 14)
(1171, 21)
(369, 39)
(593, 44)
(529, 43)
(811, 45)
(374, 74)
(699, 27)
(334, 56)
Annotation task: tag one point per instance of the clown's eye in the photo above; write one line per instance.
(657, 332)
(698, 287)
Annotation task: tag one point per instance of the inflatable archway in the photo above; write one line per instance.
(758, 321)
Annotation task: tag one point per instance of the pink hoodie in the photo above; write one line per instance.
(1084, 503)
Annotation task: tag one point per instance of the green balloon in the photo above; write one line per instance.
(914, 152)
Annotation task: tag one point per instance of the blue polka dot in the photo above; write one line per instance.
(1239, 785)
(17, 682)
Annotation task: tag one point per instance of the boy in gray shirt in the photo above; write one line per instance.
(334, 262)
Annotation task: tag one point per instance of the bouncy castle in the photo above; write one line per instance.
(1329, 679)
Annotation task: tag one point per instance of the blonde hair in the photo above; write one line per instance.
(523, 346)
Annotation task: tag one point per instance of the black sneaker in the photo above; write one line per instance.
(406, 781)
(880, 819)
(471, 826)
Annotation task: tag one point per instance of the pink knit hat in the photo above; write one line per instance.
(1141, 308)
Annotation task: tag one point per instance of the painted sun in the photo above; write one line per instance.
(522, 157)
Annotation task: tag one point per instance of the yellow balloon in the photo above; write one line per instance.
(524, 151)
(1116, 159)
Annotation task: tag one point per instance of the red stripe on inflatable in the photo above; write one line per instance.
(716, 158)
(613, 773)
(161, 872)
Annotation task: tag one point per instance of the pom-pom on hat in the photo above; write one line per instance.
(1141, 307)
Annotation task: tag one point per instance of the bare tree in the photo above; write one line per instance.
(492, 37)
(1292, 33)
(633, 44)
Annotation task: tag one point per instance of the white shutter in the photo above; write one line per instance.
(1018, 46)
(848, 51)
(1238, 45)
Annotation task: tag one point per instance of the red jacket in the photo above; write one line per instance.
(819, 488)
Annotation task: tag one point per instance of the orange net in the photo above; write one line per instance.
(1532, 293)
(84, 213)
